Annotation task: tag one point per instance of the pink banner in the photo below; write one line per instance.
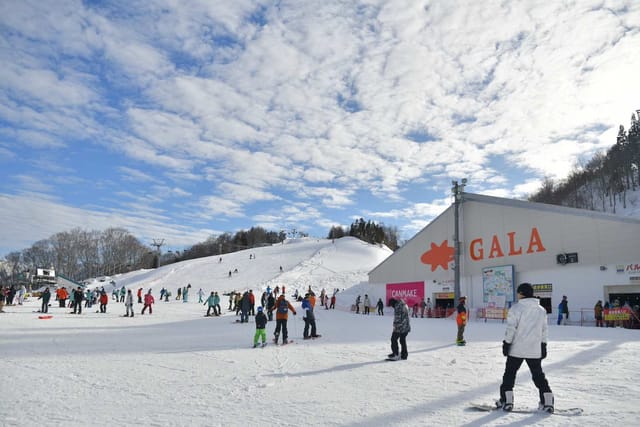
(410, 292)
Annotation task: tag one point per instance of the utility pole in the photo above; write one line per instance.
(457, 190)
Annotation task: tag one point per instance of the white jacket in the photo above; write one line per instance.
(526, 329)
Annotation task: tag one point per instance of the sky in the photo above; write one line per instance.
(185, 120)
(177, 368)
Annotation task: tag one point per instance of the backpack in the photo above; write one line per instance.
(283, 307)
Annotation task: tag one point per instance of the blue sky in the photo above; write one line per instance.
(182, 120)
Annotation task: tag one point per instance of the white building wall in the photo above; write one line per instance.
(496, 232)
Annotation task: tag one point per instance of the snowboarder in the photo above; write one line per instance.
(128, 303)
(401, 328)
(525, 340)
(358, 305)
(140, 295)
(282, 308)
(367, 304)
(380, 306)
(200, 295)
(461, 320)
(261, 331)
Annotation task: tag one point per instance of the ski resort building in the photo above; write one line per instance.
(585, 255)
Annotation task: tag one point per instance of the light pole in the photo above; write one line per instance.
(457, 190)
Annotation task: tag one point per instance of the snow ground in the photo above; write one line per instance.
(178, 368)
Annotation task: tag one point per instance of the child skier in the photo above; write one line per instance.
(261, 331)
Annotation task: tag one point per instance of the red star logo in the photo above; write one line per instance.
(438, 256)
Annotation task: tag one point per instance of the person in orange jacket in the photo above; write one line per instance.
(461, 320)
(282, 308)
(62, 295)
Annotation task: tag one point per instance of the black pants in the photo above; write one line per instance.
(403, 344)
(103, 308)
(45, 307)
(511, 369)
(211, 307)
(77, 306)
(281, 325)
(308, 323)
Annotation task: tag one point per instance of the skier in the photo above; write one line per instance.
(525, 340)
(358, 305)
(200, 295)
(309, 319)
(148, 300)
(367, 303)
(380, 306)
(461, 320)
(128, 303)
(261, 331)
(123, 293)
(282, 308)
(401, 328)
(140, 295)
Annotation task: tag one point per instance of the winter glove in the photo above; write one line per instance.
(544, 350)
(505, 348)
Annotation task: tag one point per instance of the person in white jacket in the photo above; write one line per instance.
(128, 303)
(525, 340)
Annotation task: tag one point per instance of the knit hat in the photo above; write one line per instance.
(259, 308)
(526, 290)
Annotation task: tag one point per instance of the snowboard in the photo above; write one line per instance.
(567, 412)
(45, 316)
(263, 345)
(288, 342)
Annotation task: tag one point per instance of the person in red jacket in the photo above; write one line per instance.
(282, 308)
(140, 296)
(104, 299)
(148, 300)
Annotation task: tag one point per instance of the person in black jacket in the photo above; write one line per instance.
(46, 296)
(261, 328)
(78, 296)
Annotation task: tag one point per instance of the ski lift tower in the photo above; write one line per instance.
(158, 243)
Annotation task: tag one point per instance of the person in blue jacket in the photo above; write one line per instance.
(309, 319)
